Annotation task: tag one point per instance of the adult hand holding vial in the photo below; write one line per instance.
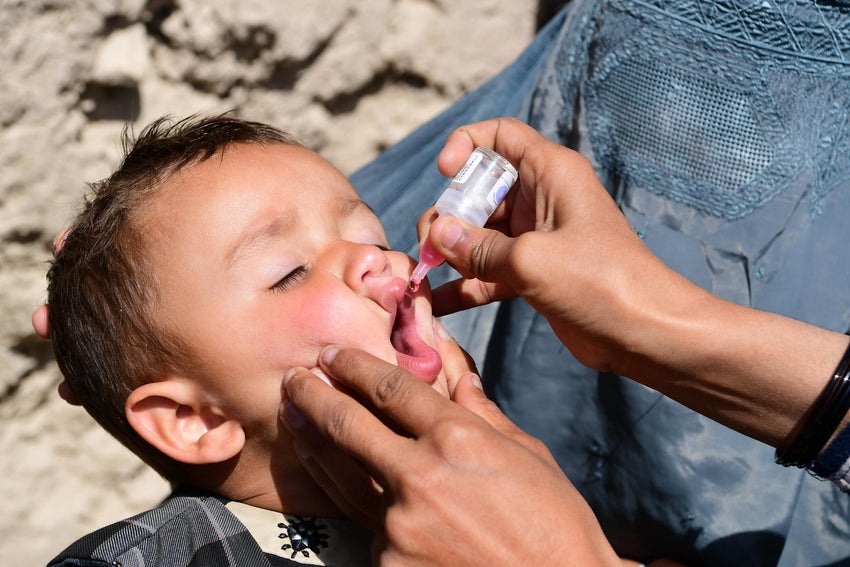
(473, 195)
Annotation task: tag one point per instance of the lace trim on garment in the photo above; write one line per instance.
(795, 71)
(804, 28)
(722, 121)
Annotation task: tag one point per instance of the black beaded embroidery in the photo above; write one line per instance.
(304, 534)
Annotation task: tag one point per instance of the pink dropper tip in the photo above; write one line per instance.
(428, 258)
(418, 275)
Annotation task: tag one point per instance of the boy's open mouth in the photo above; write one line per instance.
(411, 351)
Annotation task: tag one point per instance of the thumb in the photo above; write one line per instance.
(469, 394)
(477, 253)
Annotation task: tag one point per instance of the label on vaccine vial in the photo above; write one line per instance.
(467, 169)
(498, 192)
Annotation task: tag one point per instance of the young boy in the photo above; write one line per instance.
(220, 254)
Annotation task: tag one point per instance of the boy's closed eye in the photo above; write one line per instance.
(289, 280)
(295, 276)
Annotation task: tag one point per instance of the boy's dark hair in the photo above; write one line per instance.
(101, 290)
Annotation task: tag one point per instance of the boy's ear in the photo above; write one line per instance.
(174, 417)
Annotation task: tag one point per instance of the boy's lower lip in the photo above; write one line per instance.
(425, 368)
(412, 353)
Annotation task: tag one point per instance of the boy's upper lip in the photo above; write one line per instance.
(412, 353)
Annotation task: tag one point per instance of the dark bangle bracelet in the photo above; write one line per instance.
(821, 422)
(830, 462)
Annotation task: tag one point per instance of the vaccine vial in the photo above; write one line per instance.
(473, 194)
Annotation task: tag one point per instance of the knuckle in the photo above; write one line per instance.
(454, 439)
(510, 122)
(402, 535)
(390, 387)
(489, 406)
(523, 259)
(338, 423)
(524, 246)
(580, 161)
(408, 539)
(428, 479)
(480, 254)
(537, 446)
(454, 445)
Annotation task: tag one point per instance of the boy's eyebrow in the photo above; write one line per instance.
(253, 238)
(281, 224)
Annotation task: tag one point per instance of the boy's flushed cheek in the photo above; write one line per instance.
(334, 319)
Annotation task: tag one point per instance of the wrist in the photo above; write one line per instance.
(756, 372)
(669, 331)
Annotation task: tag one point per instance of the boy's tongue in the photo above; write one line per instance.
(413, 354)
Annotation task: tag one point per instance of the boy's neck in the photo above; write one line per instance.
(280, 486)
(304, 498)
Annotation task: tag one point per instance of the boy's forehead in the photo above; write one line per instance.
(286, 223)
(243, 167)
(259, 187)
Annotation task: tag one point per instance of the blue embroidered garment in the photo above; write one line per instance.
(722, 129)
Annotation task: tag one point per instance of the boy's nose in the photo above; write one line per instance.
(362, 264)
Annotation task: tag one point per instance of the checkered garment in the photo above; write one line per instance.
(184, 531)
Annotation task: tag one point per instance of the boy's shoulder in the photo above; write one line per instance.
(186, 529)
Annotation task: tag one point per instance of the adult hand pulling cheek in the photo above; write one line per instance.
(561, 243)
(449, 483)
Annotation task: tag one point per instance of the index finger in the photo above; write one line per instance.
(507, 136)
(342, 420)
(394, 392)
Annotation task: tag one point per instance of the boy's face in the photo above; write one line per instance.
(264, 255)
